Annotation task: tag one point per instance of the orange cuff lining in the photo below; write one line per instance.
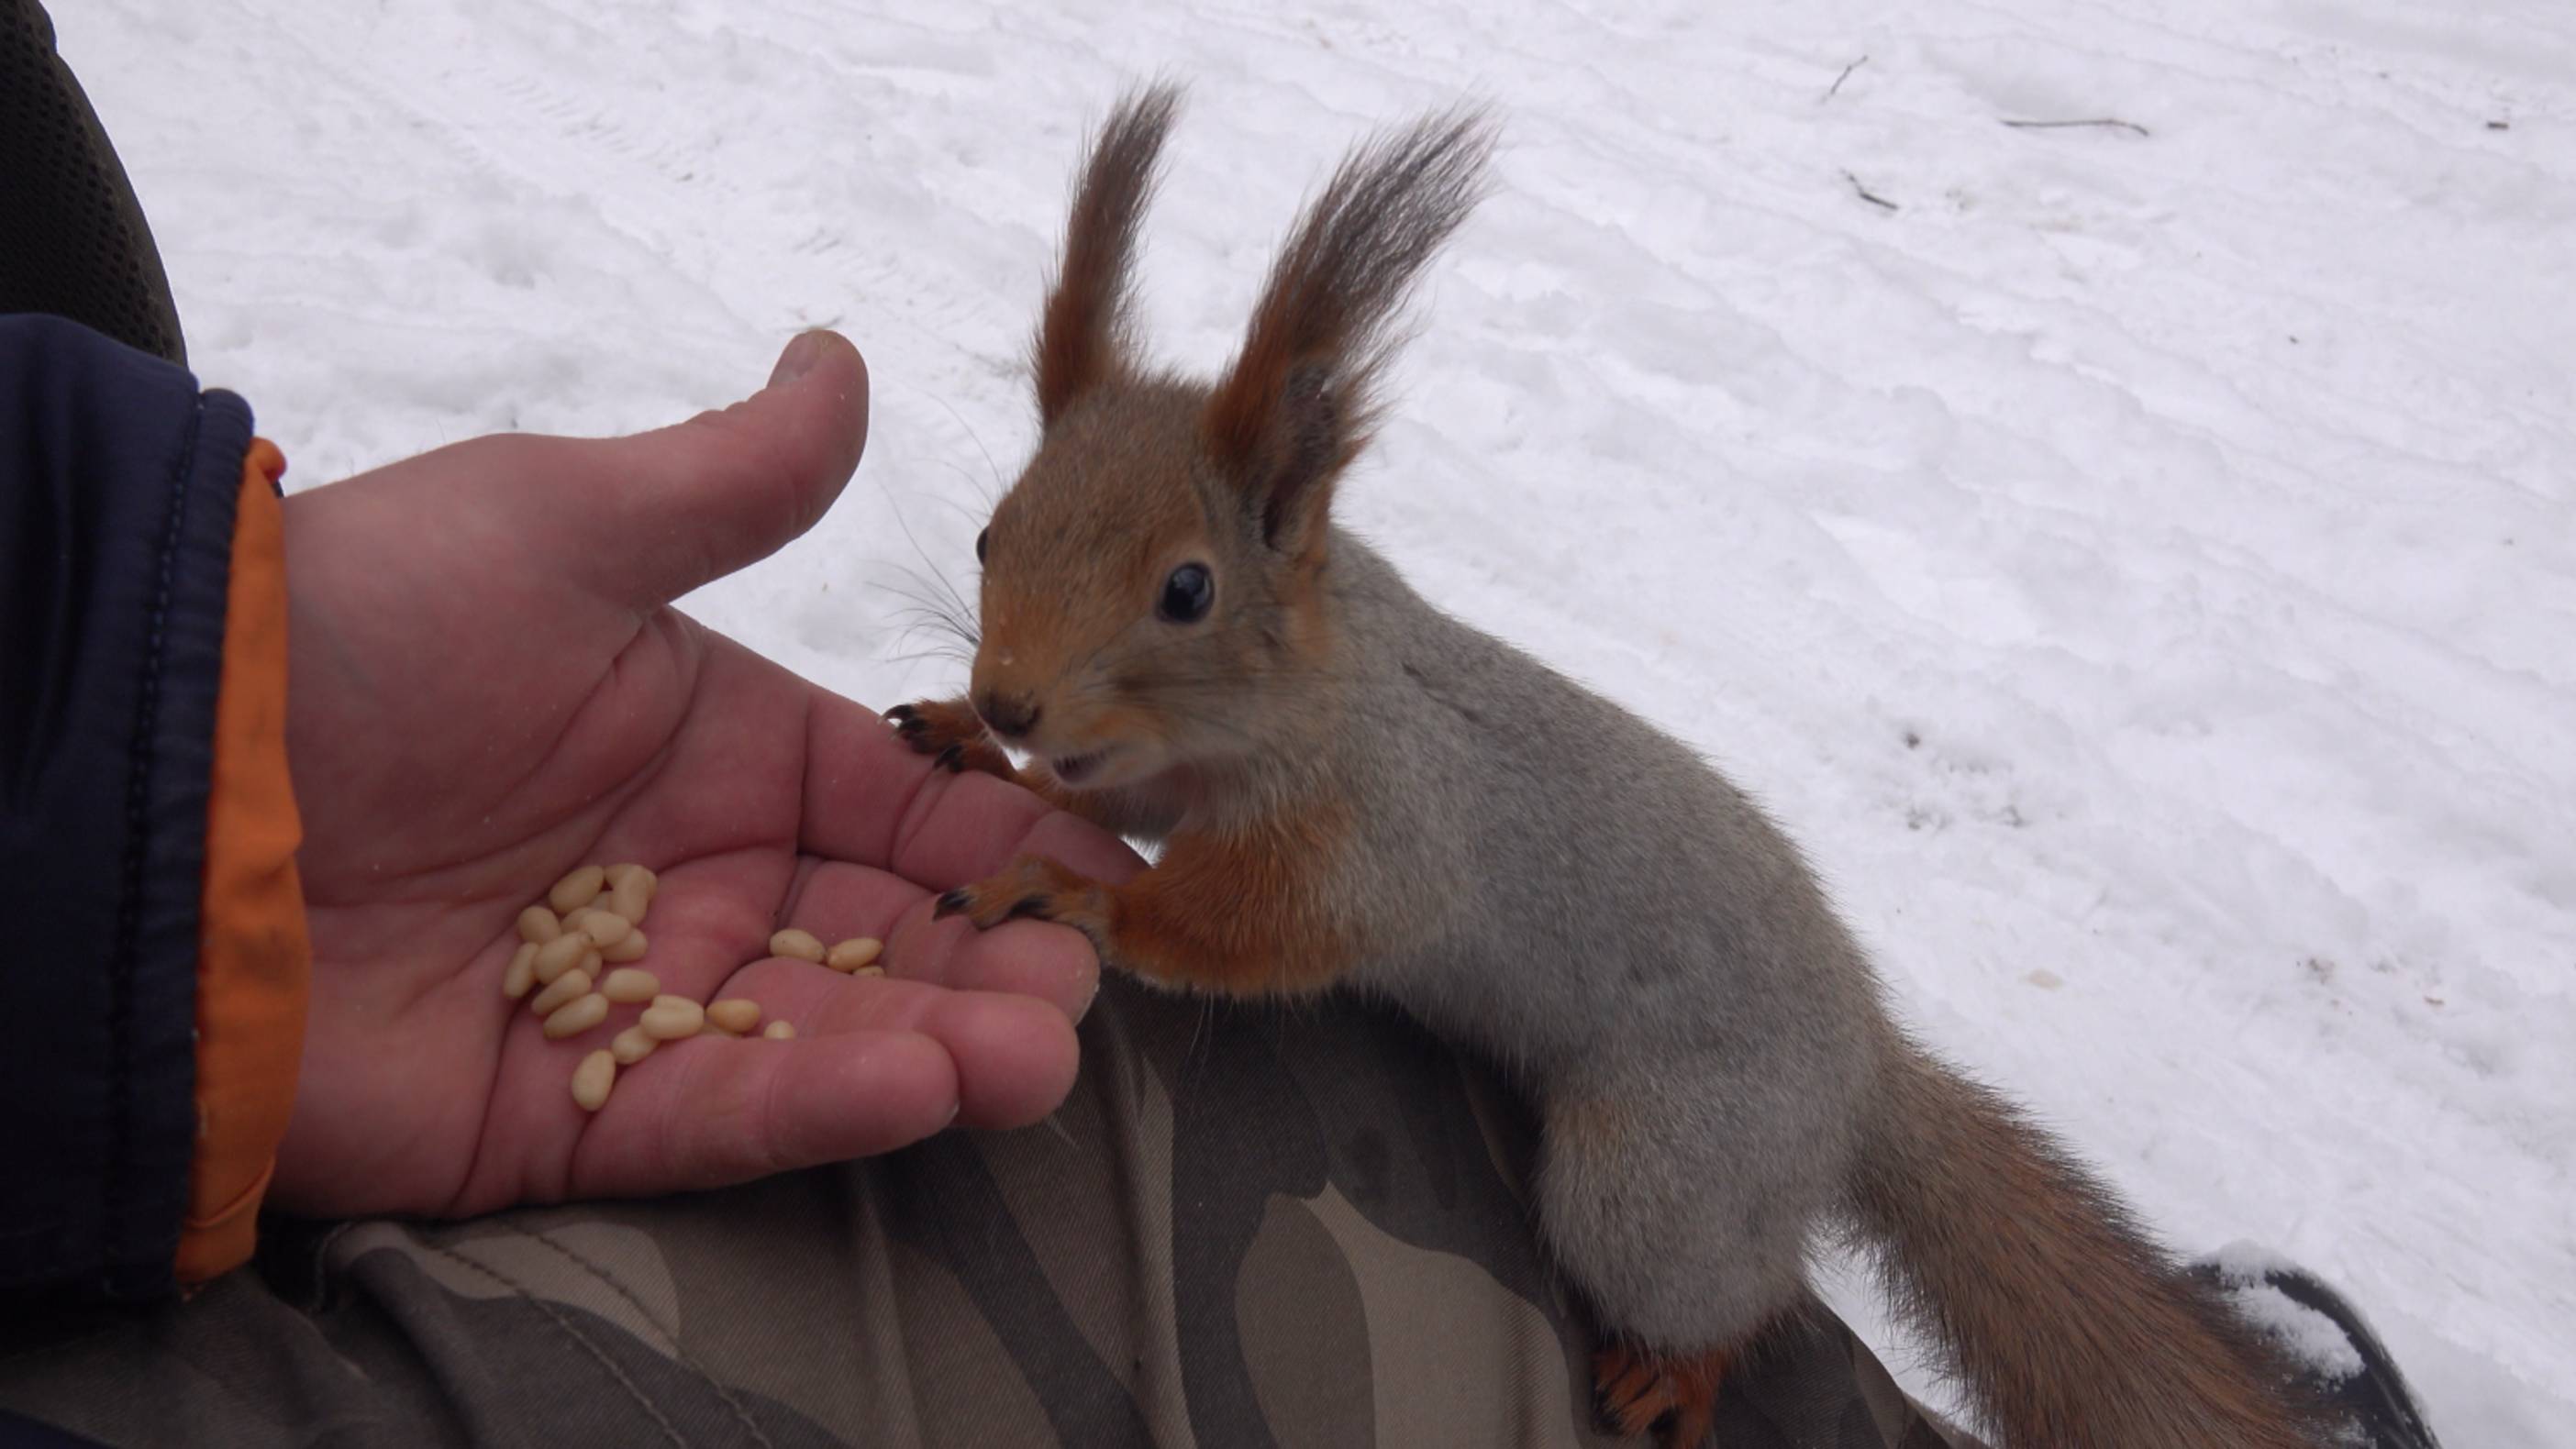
(253, 959)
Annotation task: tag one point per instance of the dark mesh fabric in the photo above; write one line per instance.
(73, 242)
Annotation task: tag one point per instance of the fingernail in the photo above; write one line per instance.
(799, 358)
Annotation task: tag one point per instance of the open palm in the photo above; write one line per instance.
(489, 689)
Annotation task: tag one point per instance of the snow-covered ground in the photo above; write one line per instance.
(2136, 559)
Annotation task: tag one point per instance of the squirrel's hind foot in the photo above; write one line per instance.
(1636, 1391)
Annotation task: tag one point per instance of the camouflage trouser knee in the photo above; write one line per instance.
(1249, 1226)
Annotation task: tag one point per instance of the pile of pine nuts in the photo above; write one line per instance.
(593, 919)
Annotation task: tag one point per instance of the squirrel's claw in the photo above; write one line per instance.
(1635, 1391)
(953, 734)
(910, 726)
(1030, 887)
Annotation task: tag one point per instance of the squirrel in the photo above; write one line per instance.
(1348, 785)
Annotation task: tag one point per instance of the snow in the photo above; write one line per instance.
(2311, 1338)
(2137, 565)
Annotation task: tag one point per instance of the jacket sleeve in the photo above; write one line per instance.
(153, 958)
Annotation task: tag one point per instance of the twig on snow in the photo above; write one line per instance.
(1838, 80)
(1867, 195)
(2100, 121)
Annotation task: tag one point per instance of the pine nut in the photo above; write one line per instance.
(633, 896)
(560, 955)
(737, 1014)
(869, 971)
(670, 1018)
(590, 962)
(592, 1079)
(633, 1045)
(629, 947)
(578, 1016)
(627, 986)
(617, 875)
(780, 1031)
(575, 890)
(522, 973)
(605, 928)
(851, 955)
(569, 986)
(538, 924)
(796, 945)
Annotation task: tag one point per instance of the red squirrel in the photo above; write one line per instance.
(1351, 787)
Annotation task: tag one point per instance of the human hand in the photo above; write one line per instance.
(488, 688)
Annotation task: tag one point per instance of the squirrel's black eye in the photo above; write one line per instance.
(1187, 594)
(980, 540)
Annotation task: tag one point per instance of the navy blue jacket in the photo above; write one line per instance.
(119, 479)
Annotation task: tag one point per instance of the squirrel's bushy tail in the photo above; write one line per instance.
(2070, 1327)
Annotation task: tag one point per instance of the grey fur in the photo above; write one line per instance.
(1545, 876)
(1592, 905)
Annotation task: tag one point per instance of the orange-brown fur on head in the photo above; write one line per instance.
(1137, 474)
(1082, 339)
(1302, 398)
(1076, 558)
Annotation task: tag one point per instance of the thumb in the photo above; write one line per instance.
(687, 504)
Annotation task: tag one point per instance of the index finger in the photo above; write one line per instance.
(871, 800)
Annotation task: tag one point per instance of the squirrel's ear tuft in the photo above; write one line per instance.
(1300, 401)
(1083, 338)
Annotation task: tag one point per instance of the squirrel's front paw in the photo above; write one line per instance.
(951, 730)
(1029, 886)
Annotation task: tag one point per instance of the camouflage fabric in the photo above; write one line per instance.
(1248, 1227)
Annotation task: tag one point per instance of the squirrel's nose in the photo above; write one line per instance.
(1010, 715)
